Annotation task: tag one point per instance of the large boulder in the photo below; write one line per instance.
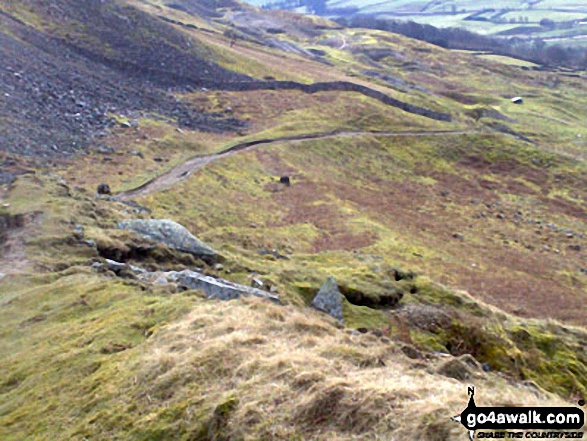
(460, 368)
(217, 288)
(328, 299)
(171, 234)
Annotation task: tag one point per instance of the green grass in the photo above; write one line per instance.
(87, 355)
(508, 60)
(65, 345)
(336, 183)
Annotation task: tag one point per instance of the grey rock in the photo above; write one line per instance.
(441, 354)
(455, 368)
(7, 177)
(160, 280)
(171, 234)
(411, 352)
(137, 269)
(147, 276)
(257, 283)
(470, 361)
(114, 266)
(104, 150)
(217, 288)
(328, 299)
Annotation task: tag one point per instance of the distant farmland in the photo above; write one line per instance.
(556, 21)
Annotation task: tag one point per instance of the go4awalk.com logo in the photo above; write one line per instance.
(509, 422)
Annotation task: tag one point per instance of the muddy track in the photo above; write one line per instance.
(184, 170)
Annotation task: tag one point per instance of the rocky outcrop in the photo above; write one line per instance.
(64, 91)
(217, 288)
(172, 234)
(329, 300)
(214, 288)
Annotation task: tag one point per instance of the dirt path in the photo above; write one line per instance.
(184, 170)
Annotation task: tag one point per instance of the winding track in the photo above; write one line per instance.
(184, 170)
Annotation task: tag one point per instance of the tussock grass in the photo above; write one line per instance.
(252, 370)
(87, 355)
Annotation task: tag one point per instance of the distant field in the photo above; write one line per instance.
(507, 60)
(534, 16)
(511, 16)
(418, 6)
(456, 21)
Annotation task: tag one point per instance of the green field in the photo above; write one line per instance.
(507, 60)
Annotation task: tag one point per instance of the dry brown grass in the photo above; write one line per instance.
(290, 373)
(84, 367)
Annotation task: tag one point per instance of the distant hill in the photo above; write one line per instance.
(552, 20)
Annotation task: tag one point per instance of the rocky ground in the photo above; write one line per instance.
(59, 96)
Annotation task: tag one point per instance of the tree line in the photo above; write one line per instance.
(536, 50)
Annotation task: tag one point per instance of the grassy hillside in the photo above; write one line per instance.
(476, 225)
